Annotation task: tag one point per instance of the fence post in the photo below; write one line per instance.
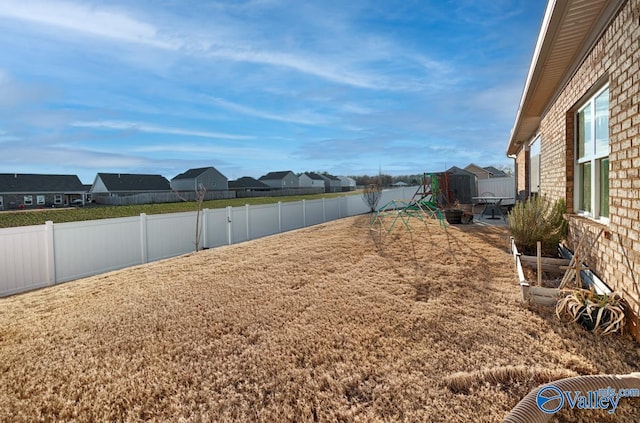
(304, 213)
(144, 251)
(204, 242)
(246, 217)
(229, 228)
(50, 252)
(324, 210)
(279, 216)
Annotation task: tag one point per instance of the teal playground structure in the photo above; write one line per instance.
(425, 204)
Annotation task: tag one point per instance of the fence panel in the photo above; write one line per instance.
(96, 246)
(292, 216)
(263, 221)
(314, 212)
(36, 256)
(499, 187)
(332, 209)
(215, 228)
(170, 235)
(23, 259)
(239, 224)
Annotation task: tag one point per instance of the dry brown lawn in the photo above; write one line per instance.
(330, 323)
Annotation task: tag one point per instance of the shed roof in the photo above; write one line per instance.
(455, 170)
(33, 183)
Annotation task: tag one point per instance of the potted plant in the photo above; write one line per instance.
(454, 214)
(601, 314)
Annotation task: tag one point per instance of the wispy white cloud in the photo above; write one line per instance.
(117, 25)
(85, 19)
(259, 84)
(237, 154)
(305, 118)
(142, 127)
(14, 93)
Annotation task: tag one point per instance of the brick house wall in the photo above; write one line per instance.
(522, 170)
(615, 59)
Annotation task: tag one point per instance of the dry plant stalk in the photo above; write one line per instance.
(604, 314)
(371, 196)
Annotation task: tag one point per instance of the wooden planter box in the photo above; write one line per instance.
(532, 293)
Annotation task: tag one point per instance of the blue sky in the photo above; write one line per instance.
(347, 87)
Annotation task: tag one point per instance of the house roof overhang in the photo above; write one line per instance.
(569, 30)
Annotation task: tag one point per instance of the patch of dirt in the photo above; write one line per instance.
(549, 279)
(331, 323)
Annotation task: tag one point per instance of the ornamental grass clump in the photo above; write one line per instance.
(600, 314)
(538, 219)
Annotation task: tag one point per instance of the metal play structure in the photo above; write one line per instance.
(423, 205)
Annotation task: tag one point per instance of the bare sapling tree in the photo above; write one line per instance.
(199, 198)
(371, 196)
(200, 193)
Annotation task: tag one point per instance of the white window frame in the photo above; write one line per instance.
(57, 199)
(41, 200)
(534, 165)
(593, 157)
(28, 200)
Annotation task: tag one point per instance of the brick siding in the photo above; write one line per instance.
(615, 59)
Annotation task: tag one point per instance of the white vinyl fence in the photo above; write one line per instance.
(498, 187)
(36, 256)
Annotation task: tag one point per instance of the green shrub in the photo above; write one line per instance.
(538, 219)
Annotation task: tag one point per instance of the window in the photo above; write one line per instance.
(592, 152)
(40, 200)
(57, 199)
(1, 204)
(28, 200)
(534, 166)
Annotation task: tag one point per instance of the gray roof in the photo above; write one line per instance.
(194, 173)
(494, 171)
(248, 182)
(134, 182)
(314, 175)
(455, 170)
(331, 177)
(276, 175)
(33, 183)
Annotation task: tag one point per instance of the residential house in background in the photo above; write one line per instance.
(347, 184)
(123, 184)
(495, 172)
(207, 177)
(485, 172)
(26, 191)
(575, 136)
(331, 183)
(311, 180)
(248, 183)
(280, 180)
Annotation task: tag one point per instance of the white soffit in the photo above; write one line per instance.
(568, 32)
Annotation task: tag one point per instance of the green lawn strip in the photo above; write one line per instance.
(39, 217)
